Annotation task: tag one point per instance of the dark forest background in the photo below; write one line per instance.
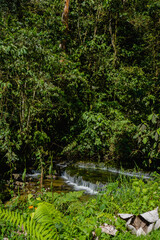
(96, 98)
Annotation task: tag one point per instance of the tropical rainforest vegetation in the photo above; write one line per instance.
(79, 80)
(81, 86)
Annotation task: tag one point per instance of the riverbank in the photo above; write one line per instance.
(66, 216)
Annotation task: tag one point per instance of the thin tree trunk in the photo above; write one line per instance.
(65, 14)
(29, 113)
(113, 38)
(41, 180)
(65, 17)
(23, 105)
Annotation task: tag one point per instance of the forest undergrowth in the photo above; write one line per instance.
(67, 216)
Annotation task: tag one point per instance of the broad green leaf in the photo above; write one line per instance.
(145, 140)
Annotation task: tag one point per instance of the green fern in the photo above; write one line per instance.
(47, 222)
(62, 201)
(33, 228)
(46, 213)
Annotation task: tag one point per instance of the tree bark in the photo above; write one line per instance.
(65, 17)
(65, 14)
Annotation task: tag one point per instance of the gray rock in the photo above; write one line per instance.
(143, 223)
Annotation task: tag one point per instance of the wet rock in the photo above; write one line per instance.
(16, 176)
(143, 223)
(18, 183)
(51, 176)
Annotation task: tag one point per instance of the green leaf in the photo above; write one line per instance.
(158, 131)
(150, 117)
(137, 189)
(98, 231)
(24, 175)
(156, 136)
(30, 196)
(145, 140)
(154, 118)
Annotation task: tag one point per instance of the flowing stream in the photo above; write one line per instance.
(82, 176)
(92, 178)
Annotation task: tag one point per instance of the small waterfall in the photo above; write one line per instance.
(79, 184)
(33, 174)
(93, 178)
(114, 170)
(130, 174)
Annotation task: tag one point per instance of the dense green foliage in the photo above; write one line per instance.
(98, 98)
(67, 216)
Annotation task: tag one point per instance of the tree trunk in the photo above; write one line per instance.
(113, 33)
(65, 17)
(65, 14)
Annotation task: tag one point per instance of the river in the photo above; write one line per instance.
(89, 177)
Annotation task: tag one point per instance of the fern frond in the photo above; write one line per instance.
(46, 213)
(35, 230)
(62, 201)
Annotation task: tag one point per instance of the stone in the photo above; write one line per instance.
(106, 228)
(143, 223)
(109, 229)
(16, 175)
